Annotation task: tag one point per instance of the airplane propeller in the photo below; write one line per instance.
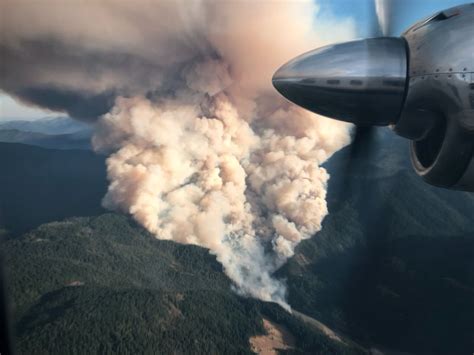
(418, 83)
(381, 25)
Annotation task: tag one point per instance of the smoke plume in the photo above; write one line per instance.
(201, 148)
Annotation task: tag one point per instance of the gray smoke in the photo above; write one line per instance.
(202, 150)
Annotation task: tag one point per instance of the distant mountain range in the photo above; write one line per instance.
(51, 126)
(392, 268)
(57, 133)
(77, 140)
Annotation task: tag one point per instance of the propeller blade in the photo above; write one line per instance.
(382, 10)
(363, 141)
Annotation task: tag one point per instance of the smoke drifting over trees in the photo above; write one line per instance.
(202, 149)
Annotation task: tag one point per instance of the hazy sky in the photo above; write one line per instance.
(11, 109)
(362, 11)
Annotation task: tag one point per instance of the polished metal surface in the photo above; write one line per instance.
(439, 120)
(438, 114)
(444, 43)
(361, 81)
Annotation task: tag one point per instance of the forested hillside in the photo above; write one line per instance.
(394, 262)
(42, 185)
(95, 285)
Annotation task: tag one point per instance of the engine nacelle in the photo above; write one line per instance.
(438, 114)
(421, 85)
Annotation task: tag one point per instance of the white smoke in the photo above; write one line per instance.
(202, 149)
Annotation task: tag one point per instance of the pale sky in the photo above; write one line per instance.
(11, 109)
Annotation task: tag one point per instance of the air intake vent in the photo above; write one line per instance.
(441, 16)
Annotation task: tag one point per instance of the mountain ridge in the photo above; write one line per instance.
(105, 284)
(392, 265)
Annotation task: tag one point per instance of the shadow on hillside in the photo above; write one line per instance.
(43, 185)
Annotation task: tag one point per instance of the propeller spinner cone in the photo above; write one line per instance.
(362, 82)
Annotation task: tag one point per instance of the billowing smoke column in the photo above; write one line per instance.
(202, 150)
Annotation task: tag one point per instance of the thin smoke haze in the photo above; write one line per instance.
(201, 149)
